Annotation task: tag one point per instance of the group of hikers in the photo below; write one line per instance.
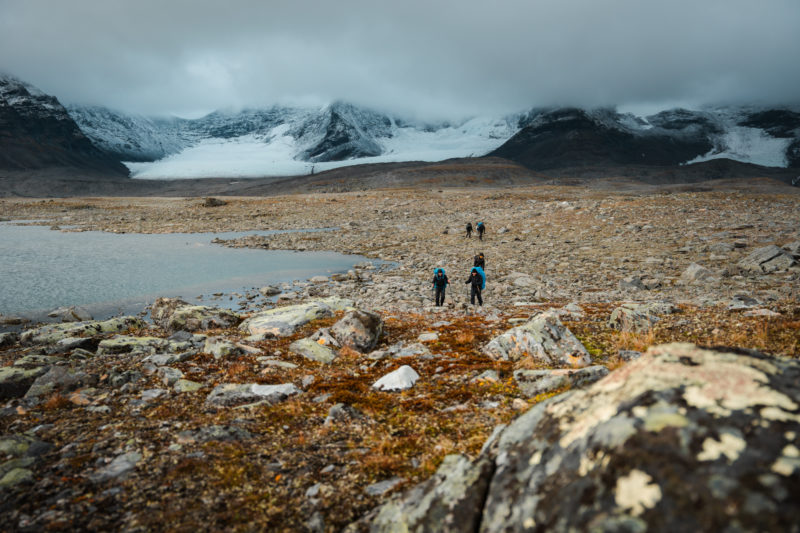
(476, 280)
(480, 228)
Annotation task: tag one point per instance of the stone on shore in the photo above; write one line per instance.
(70, 314)
(15, 381)
(543, 338)
(283, 321)
(173, 314)
(220, 347)
(53, 333)
(534, 382)
(668, 442)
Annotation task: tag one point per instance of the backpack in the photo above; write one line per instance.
(482, 274)
(480, 226)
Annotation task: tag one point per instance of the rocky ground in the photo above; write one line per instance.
(203, 419)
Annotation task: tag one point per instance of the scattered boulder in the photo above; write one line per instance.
(767, 259)
(343, 413)
(534, 382)
(544, 338)
(220, 347)
(235, 394)
(270, 290)
(401, 379)
(620, 454)
(119, 468)
(215, 433)
(8, 339)
(53, 333)
(186, 385)
(632, 283)
(695, 273)
(358, 329)
(638, 317)
(59, 379)
(15, 381)
(173, 314)
(137, 346)
(313, 350)
(793, 248)
(213, 202)
(284, 321)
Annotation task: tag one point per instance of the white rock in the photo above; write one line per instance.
(401, 379)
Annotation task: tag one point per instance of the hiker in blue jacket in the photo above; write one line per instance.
(440, 283)
(478, 282)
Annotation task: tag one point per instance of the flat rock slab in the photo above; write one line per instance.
(284, 321)
(543, 338)
(235, 394)
(664, 443)
(129, 344)
(401, 379)
(767, 259)
(173, 314)
(53, 333)
(313, 350)
(535, 382)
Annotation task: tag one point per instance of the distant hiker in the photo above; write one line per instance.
(481, 228)
(477, 279)
(479, 261)
(440, 283)
(469, 230)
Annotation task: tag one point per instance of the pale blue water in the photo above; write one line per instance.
(106, 273)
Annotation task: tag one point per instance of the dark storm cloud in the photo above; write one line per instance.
(444, 57)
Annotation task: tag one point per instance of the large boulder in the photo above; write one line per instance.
(53, 333)
(173, 314)
(15, 381)
(283, 321)
(544, 338)
(683, 439)
(60, 379)
(767, 259)
(358, 329)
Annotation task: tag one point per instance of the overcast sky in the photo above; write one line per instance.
(442, 58)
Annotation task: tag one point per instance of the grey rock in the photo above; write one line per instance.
(119, 468)
(270, 290)
(284, 321)
(401, 379)
(52, 333)
(214, 433)
(721, 247)
(70, 314)
(793, 248)
(138, 346)
(173, 314)
(343, 413)
(15, 381)
(69, 344)
(185, 385)
(620, 454)
(544, 338)
(534, 382)
(60, 379)
(323, 336)
(313, 351)
(20, 446)
(169, 375)
(767, 259)
(221, 348)
(164, 359)
(632, 283)
(743, 301)
(629, 355)
(8, 339)
(635, 317)
(382, 487)
(16, 476)
(358, 329)
(234, 394)
(401, 349)
(696, 273)
(37, 360)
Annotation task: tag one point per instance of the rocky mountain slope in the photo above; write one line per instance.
(36, 132)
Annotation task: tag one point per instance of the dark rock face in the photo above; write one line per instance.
(36, 132)
(346, 133)
(574, 138)
(682, 439)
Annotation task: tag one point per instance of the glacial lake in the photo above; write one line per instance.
(109, 274)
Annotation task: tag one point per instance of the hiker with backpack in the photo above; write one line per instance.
(481, 228)
(479, 261)
(440, 283)
(469, 230)
(477, 279)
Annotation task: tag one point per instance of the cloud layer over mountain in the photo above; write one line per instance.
(447, 58)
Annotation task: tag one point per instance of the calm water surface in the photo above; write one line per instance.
(109, 273)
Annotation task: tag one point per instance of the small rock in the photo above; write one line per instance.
(401, 379)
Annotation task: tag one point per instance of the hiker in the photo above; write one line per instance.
(478, 281)
(440, 283)
(469, 230)
(479, 261)
(481, 228)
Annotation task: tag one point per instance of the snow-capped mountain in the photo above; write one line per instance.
(36, 132)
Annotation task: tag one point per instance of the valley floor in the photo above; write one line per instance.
(281, 466)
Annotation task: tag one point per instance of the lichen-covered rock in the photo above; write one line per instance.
(15, 381)
(534, 382)
(174, 314)
(8, 339)
(53, 333)
(234, 394)
(70, 314)
(220, 347)
(767, 259)
(544, 338)
(283, 321)
(359, 330)
(682, 439)
(313, 350)
(638, 317)
(128, 344)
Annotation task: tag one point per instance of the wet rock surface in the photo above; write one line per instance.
(148, 423)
